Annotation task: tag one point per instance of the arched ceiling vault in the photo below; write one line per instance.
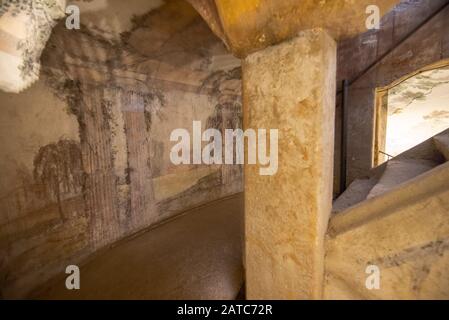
(250, 25)
(245, 26)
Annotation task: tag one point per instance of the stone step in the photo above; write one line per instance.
(356, 193)
(399, 171)
(442, 144)
(403, 234)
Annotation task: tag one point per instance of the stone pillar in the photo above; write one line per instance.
(290, 87)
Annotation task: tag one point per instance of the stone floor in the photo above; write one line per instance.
(195, 256)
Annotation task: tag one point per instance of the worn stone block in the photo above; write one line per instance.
(290, 87)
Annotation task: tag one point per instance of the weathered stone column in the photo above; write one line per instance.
(290, 87)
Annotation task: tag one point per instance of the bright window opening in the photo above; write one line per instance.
(411, 112)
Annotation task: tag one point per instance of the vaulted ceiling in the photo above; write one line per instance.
(244, 26)
(250, 25)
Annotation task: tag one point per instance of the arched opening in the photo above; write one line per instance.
(411, 110)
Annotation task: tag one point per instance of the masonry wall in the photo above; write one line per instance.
(85, 151)
(395, 60)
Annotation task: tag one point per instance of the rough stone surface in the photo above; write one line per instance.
(400, 171)
(391, 174)
(252, 25)
(290, 87)
(405, 233)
